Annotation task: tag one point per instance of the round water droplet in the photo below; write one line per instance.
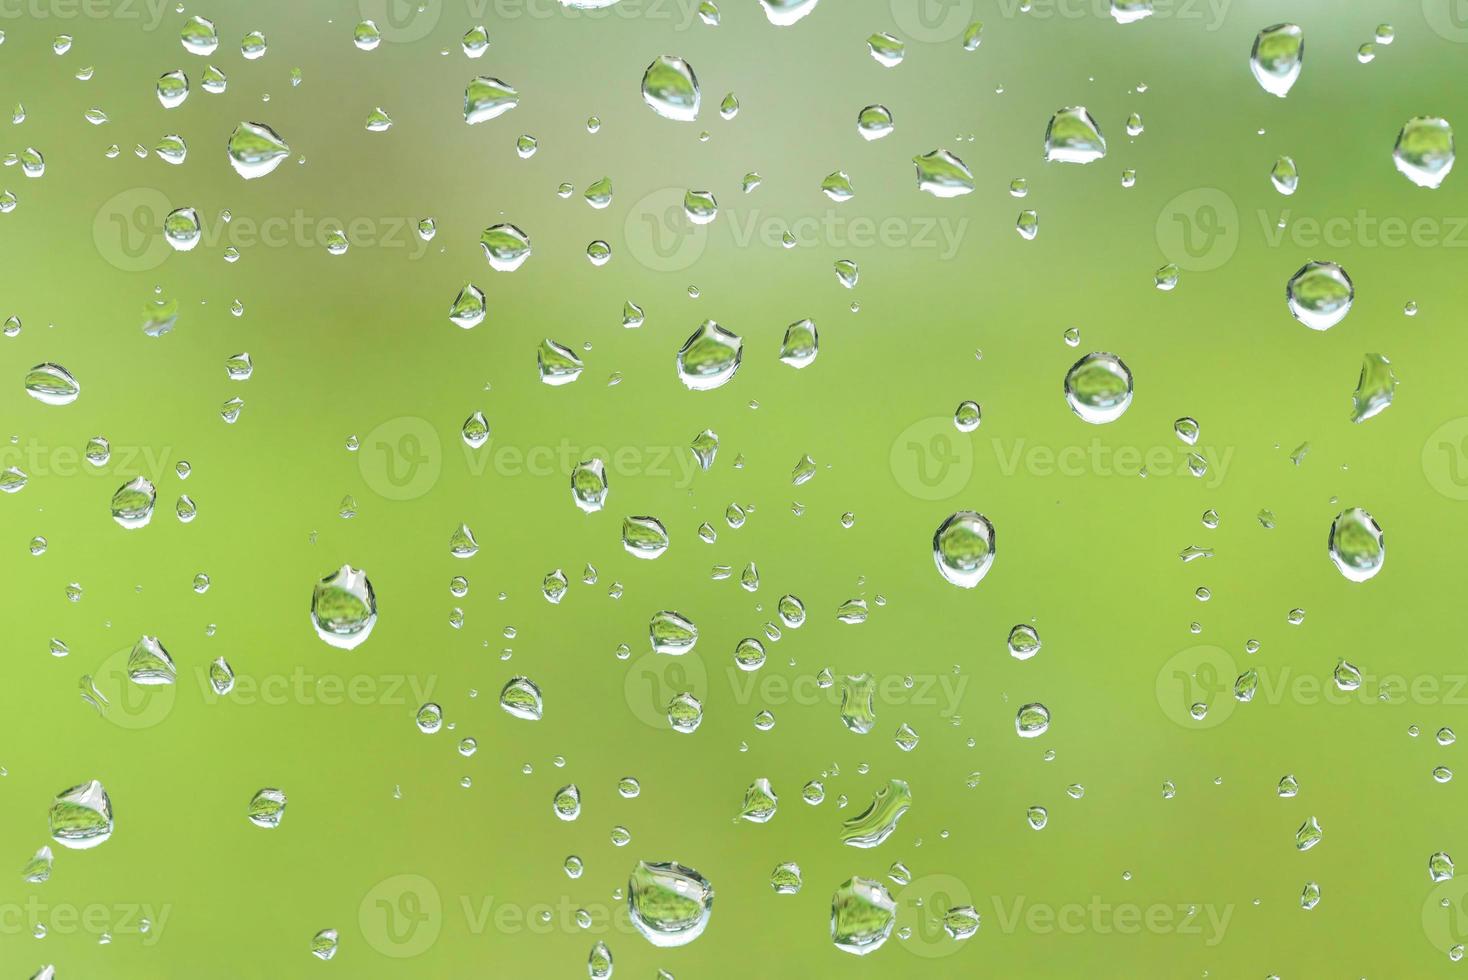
(1098, 388)
(963, 548)
(669, 904)
(344, 608)
(1357, 545)
(1320, 295)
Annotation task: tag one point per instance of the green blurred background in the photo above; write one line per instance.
(952, 305)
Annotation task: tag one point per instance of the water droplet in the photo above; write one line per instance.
(963, 548)
(943, 174)
(760, 802)
(1320, 295)
(344, 608)
(670, 88)
(1424, 153)
(877, 822)
(522, 699)
(669, 904)
(1098, 388)
(487, 98)
(1072, 136)
(1375, 388)
(1032, 721)
(874, 122)
(709, 357)
(267, 808)
(644, 537)
(1357, 545)
(505, 246)
(862, 915)
(1278, 55)
(52, 384)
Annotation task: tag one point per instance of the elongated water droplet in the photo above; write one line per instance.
(942, 174)
(487, 98)
(255, 150)
(51, 384)
(267, 808)
(1278, 55)
(877, 822)
(963, 548)
(344, 608)
(132, 504)
(1357, 545)
(1375, 388)
(709, 357)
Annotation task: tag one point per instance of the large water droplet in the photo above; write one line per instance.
(1357, 545)
(52, 384)
(1424, 153)
(670, 904)
(1375, 389)
(81, 817)
(1098, 388)
(877, 822)
(783, 13)
(1073, 137)
(670, 88)
(942, 174)
(963, 548)
(486, 98)
(1320, 295)
(1278, 54)
(862, 914)
(344, 608)
(255, 150)
(709, 357)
